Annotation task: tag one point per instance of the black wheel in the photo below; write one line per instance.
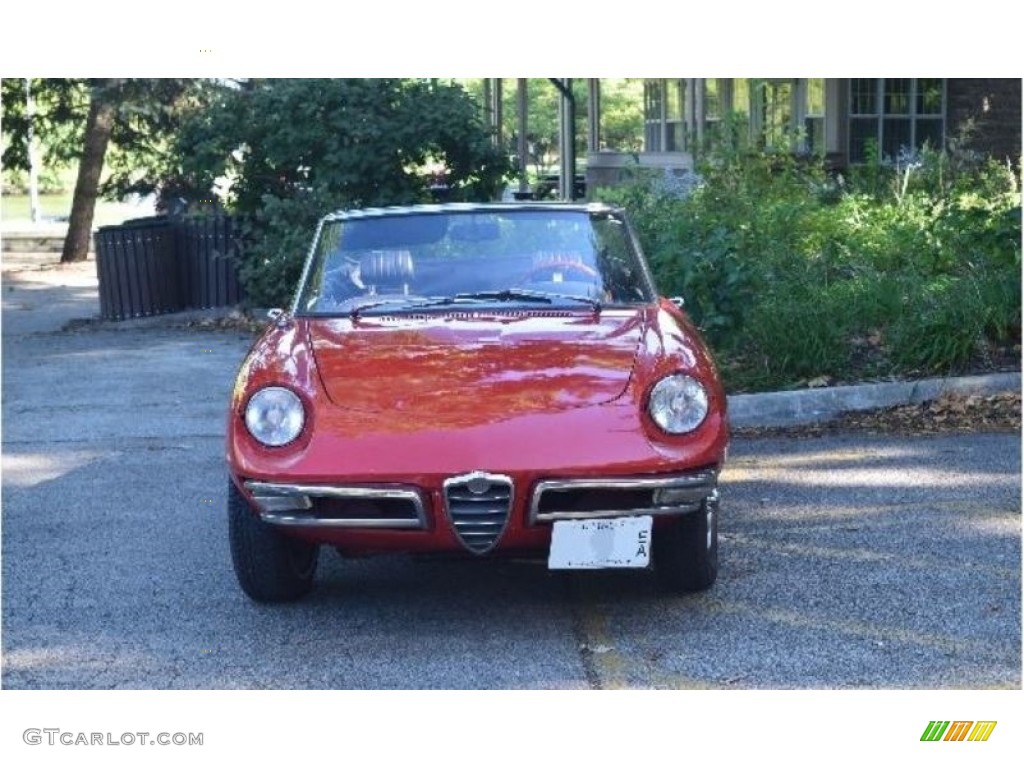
(270, 567)
(686, 550)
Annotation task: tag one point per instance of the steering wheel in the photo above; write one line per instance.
(586, 272)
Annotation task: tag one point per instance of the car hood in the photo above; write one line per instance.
(474, 363)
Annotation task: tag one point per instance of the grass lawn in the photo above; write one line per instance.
(15, 208)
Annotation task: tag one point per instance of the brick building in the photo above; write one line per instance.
(990, 111)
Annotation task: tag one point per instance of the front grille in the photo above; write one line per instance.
(478, 504)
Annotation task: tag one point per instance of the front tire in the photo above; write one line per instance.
(686, 550)
(270, 567)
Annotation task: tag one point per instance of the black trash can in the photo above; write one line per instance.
(207, 252)
(136, 268)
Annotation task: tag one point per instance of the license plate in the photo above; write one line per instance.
(618, 542)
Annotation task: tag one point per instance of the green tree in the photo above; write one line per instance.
(291, 150)
(60, 109)
(80, 120)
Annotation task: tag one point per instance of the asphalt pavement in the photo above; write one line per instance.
(848, 561)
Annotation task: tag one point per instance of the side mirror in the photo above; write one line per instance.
(678, 301)
(278, 316)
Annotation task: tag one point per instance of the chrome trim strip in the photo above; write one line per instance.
(699, 486)
(607, 513)
(295, 521)
(283, 503)
(428, 208)
(307, 264)
(279, 503)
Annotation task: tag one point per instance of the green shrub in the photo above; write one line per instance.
(904, 269)
(295, 150)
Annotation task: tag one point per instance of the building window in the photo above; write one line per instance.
(930, 101)
(776, 114)
(782, 114)
(726, 108)
(895, 114)
(712, 106)
(813, 138)
(664, 102)
(739, 98)
(652, 115)
(675, 100)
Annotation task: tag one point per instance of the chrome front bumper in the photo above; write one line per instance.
(324, 506)
(398, 507)
(576, 499)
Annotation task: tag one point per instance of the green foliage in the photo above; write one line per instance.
(293, 150)
(50, 182)
(60, 107)
(912, 268)
(148, 112)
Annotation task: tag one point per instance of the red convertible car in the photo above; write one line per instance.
(486, 379)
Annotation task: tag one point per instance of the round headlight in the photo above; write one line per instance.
(274, 416)
(678, 404)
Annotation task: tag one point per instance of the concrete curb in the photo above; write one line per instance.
(806, 406)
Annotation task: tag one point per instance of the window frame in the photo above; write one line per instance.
(879, 117)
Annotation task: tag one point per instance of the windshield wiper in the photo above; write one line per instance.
(417, 303)
(517, 294)
(403, 302)
(508, 294)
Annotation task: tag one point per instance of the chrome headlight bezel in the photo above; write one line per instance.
(274, 416)
(678, 404)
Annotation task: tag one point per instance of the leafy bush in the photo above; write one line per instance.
(293, 150)
(901, 269)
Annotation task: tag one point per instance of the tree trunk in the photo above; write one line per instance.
(98, 127)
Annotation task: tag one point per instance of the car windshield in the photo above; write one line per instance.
(394, 262)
